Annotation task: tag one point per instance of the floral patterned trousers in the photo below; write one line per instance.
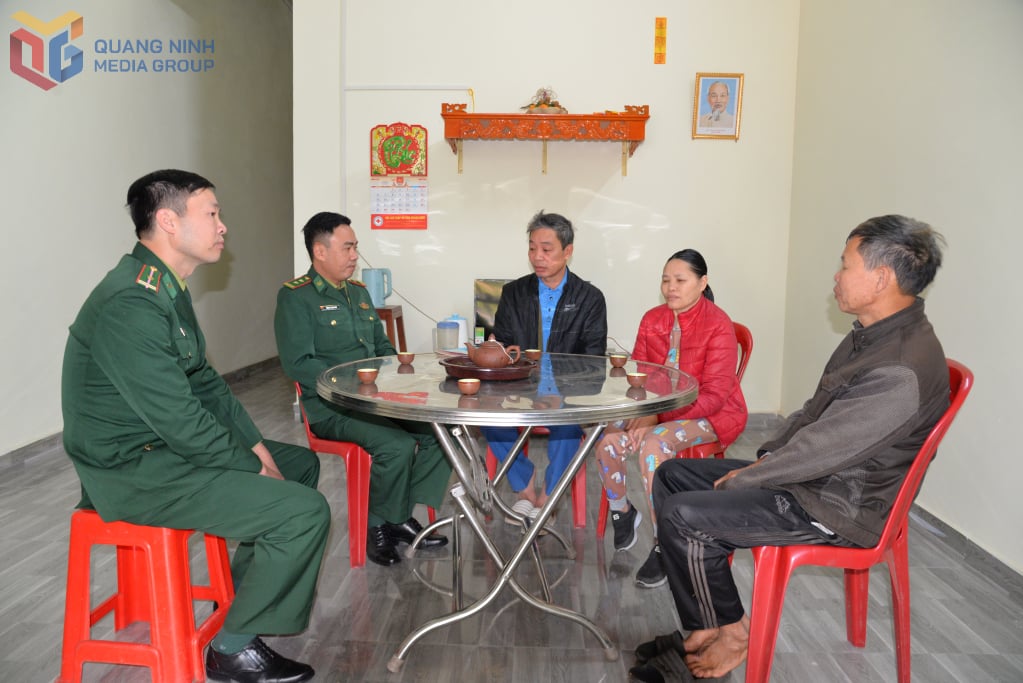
(661, 443)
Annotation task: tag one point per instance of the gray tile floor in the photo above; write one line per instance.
(967, 608)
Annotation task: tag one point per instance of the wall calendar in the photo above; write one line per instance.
(398, 186)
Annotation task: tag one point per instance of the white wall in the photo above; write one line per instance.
(883, 121)
(70, 154)
(914, 108)
(401, 60)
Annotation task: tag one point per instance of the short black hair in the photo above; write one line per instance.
(166, 189)
(320, 227)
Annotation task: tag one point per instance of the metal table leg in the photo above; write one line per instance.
(465, 501)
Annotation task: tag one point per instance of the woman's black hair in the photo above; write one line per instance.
(697, 264)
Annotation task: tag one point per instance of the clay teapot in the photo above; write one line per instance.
(492, 354)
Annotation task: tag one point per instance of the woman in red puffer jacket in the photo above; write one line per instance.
(691, 333)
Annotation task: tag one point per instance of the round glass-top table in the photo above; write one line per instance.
(557, 389)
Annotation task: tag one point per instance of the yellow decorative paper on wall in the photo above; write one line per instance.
(660, 39)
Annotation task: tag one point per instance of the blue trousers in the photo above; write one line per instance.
(562, 445)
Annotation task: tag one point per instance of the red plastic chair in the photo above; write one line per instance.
(774, 564)
(154, 585)
(578, 483)
(357, 465)
(713, 449)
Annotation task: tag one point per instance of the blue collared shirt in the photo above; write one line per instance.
(549, 299)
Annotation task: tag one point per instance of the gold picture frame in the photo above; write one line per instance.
(717, 106)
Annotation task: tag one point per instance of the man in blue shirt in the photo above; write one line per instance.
(554, 310)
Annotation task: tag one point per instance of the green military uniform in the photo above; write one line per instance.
(319, 326)
(158, 438)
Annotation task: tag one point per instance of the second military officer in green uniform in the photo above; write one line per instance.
(324, 318)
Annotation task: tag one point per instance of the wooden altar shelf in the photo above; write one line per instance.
(627, 127)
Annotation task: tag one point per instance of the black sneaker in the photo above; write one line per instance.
(625, 525)
(651, 574)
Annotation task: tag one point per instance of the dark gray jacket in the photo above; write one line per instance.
(845, 453)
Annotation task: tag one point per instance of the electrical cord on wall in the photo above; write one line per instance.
(619, 345)
(394, 290)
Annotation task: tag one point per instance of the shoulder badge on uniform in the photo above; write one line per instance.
(358, 283)
(149, 278)
(363, 305)
(298, 282)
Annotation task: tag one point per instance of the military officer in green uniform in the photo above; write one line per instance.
(325, 318)
(157, 437)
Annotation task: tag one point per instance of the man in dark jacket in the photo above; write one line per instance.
(831, 474)
(553, 310)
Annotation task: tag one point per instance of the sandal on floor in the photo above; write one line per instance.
(550, 520)
(646, 673)
(658, 646)
(524, 508)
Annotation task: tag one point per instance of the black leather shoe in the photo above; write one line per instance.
(406, 533)
(381, 547)
(257, 663)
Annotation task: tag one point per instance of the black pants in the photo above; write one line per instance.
(699, 527)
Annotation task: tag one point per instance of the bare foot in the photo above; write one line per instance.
(723, 653)
(697, 640)
(529, 493)
(529, 496)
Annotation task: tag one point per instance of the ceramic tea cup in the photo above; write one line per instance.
(618, 360)
(367, 375)
(469, 386)
(636, 379)
(404, 357)
(532, 354)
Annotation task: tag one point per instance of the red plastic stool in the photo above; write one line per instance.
(357, 464)
(153, 585)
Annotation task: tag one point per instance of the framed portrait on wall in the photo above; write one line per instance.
(717, 106)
